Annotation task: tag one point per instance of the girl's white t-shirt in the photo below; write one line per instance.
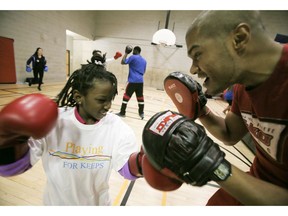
(78, 158)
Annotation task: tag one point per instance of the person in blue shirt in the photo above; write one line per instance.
(228, 96)
(137, 68)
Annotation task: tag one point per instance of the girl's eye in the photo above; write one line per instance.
(101, 100)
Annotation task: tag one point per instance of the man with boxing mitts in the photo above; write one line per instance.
(257, 67)
(32, 115)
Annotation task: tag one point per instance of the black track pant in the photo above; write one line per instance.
(130, 89)
(38, 76)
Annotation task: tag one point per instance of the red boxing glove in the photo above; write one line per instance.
(135, 163)
(140, 166)
(32, 115)
(117, 55)
(163, 181)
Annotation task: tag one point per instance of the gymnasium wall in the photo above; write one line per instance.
(109, 31)
(46, 29)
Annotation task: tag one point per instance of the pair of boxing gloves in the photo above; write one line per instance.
(128, 49)
(175, 149)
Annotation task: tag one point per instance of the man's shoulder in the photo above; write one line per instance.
(141, 57)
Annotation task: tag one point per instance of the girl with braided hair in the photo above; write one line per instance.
(86, 143)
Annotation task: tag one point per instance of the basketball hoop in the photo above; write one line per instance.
(164, 37)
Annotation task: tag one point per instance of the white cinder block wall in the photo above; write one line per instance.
(109, 31)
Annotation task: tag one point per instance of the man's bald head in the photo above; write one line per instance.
(217, 23)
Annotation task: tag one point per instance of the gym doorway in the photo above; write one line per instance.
(67, 64)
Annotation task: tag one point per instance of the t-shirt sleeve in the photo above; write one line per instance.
(235, 107)
(128, 60)
(126, 146)
(36, 150)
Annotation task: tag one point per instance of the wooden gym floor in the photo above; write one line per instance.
(26, 189)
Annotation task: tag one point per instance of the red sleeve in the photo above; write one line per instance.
(235, 108)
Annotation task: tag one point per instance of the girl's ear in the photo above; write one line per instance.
(77, 96)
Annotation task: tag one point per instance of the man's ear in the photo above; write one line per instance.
(241, 37)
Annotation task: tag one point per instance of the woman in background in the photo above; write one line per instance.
(38, 65)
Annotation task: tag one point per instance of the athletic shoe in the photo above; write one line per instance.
(141, 116)
(120, 114)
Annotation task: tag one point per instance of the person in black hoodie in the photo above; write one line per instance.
(38, 64)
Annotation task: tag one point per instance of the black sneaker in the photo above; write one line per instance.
(141, 116)
(120, 114)
(39, 88)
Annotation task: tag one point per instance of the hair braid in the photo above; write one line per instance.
(65, 97)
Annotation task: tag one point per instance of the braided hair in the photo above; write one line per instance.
(82, 80)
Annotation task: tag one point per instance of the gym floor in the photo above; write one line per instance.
(27, 188)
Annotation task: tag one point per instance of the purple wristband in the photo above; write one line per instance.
(125, 172)
(17, 167)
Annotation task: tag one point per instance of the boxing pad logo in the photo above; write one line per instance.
(164, 122)
(171, 86)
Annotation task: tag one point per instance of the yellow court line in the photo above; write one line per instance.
(164, 194)
(121, 192)
(125, 185)
(164, 199)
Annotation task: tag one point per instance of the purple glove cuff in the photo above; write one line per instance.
(17, 167)
(125, 172)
